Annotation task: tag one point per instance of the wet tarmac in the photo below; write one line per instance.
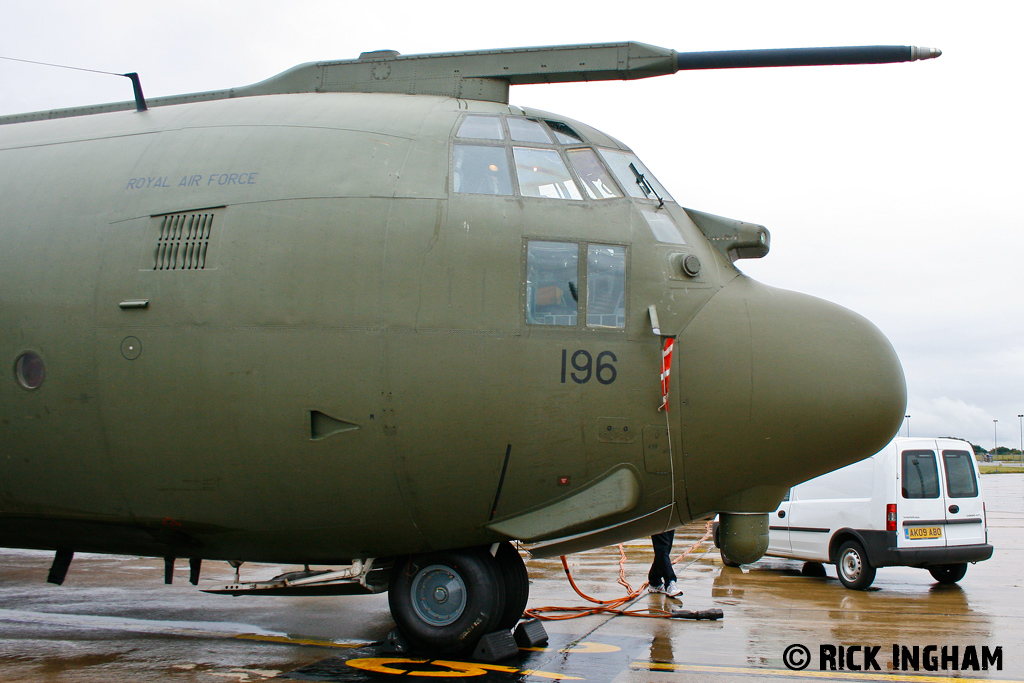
(115, 620)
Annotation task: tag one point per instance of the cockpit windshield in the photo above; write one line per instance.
(634, 176)
(518, 155)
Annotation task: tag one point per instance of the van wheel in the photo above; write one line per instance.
(853, 567)
(948, 573)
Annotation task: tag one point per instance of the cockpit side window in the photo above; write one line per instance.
(606, 285)
(634, 176)
(556, 292)
(552, 283)
(481, 169)
(663, 227)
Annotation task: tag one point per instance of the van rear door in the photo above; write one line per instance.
(922, 505)
(965, 524)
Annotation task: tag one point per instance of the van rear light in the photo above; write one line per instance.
(890, 517)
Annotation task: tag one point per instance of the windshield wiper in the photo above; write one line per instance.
(645, 185)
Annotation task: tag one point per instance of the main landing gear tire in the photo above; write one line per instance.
(853, 567)
(444, 602)
(948, 573)
(513, 573)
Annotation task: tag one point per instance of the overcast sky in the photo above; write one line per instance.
(893, 190)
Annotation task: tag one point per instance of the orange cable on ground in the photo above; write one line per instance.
(613, 607)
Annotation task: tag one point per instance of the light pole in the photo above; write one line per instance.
(907, 418)
(995, 442)
(1020, 418)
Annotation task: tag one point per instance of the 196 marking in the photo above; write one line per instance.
(583, 363)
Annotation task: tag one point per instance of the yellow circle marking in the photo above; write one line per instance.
(384, 665)
(390, 665)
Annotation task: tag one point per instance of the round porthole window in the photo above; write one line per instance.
(29, 370)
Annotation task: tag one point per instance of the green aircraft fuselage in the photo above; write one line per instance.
(312, 328)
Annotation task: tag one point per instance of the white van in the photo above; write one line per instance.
(915, 503)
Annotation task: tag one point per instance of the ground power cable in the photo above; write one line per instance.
(617, 606)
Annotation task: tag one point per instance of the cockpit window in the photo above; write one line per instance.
(606, 285)
(563, 133)
(662, 226)
(555, 292)
(551, 161)
(634, 176)
(552, 283)
(481, 169)
(542, 174)
(528, 130)
(596, 179)
(481, 127)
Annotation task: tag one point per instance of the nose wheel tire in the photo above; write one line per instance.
(446, 601)
(853, 567)
(948, 573)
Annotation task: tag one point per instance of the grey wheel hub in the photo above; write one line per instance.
(438, 595)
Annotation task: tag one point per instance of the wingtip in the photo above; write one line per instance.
(924, 53)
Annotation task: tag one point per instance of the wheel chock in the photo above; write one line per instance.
(530, 633)
(495, 647)
(396, 642)
(707, 614)
(59, 568)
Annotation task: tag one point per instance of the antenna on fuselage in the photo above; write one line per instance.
(140, 99)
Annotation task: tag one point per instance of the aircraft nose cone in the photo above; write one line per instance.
(778, 387)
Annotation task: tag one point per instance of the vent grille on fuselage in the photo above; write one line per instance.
(183, 241)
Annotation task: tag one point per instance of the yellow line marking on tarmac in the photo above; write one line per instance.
(841, 675)
(285, 640)
(579, 648)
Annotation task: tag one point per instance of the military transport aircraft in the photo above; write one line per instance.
(367, 312)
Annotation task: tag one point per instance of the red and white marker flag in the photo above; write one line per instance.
(666, 366)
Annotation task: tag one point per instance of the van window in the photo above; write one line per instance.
(960, 481)
(920, 475)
